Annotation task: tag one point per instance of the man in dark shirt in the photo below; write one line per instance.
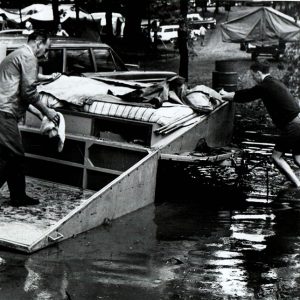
(18, 76)
(284, 111)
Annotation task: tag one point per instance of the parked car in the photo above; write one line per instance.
(87, 58)
(208, 23)
(167, 33)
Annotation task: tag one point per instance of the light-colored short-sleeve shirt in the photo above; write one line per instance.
(18, 76)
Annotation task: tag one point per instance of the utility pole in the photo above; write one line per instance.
(183, 35)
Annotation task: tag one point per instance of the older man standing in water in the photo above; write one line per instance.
(284, 111)
(18, 76)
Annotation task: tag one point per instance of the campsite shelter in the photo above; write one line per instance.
(263, 26)
(42, 17)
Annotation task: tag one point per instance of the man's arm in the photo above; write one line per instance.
(29, 92)
(35, 111)
(50, 113)
(42, 77)
(244, 95)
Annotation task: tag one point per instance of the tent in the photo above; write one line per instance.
(32, 9)
(66, 11)
(263, 26)
(12, 16)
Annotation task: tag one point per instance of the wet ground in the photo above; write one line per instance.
(223, 233)
(226, 231)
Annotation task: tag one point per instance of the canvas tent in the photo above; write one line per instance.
(66, 11)
(13, 17)
(263, 26)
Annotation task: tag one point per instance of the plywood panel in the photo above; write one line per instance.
(134, 189)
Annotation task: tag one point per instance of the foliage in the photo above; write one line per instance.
(291, 61)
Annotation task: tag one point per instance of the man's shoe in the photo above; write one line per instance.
(25, 202)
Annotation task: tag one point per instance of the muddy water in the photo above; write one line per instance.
(214, 233)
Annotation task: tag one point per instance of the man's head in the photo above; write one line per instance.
(39, 43)
(259, 70)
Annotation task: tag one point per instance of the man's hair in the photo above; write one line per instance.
(261, 65)
(38, 36)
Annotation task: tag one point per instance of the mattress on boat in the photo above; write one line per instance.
(91, 96)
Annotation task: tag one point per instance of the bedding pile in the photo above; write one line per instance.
(162, 103)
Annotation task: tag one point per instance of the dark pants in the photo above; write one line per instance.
(11, 157)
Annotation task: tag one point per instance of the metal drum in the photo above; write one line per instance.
(224, 76)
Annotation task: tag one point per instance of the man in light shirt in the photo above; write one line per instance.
(202, 32)
(18, 76)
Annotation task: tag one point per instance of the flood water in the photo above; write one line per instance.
(215, 232)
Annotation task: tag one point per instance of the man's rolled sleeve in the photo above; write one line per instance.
(28, 91)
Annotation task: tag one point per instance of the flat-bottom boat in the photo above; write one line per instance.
(108, 168)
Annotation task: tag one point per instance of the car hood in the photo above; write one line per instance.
(141, 76)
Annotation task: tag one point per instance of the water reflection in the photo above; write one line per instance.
(217, 246)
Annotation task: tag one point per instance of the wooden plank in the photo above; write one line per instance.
(134, 189)
(55, 160)
(85, 138)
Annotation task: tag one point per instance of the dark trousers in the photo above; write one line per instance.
(11, 157)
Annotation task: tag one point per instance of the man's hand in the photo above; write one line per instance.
(226, 95)
(53, 116)
(55, 75)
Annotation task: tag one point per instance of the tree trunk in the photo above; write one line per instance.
(77, 5)
(109, 27)
(217, 7)
(184, 8)
(183, 35)
(55, 12)
(132, 30)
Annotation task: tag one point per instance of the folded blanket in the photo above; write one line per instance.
(81, 90)
(49, 128)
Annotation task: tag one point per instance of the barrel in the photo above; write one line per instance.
(224, 80)
(224, 76)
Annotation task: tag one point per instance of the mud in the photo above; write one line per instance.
(56, 201)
